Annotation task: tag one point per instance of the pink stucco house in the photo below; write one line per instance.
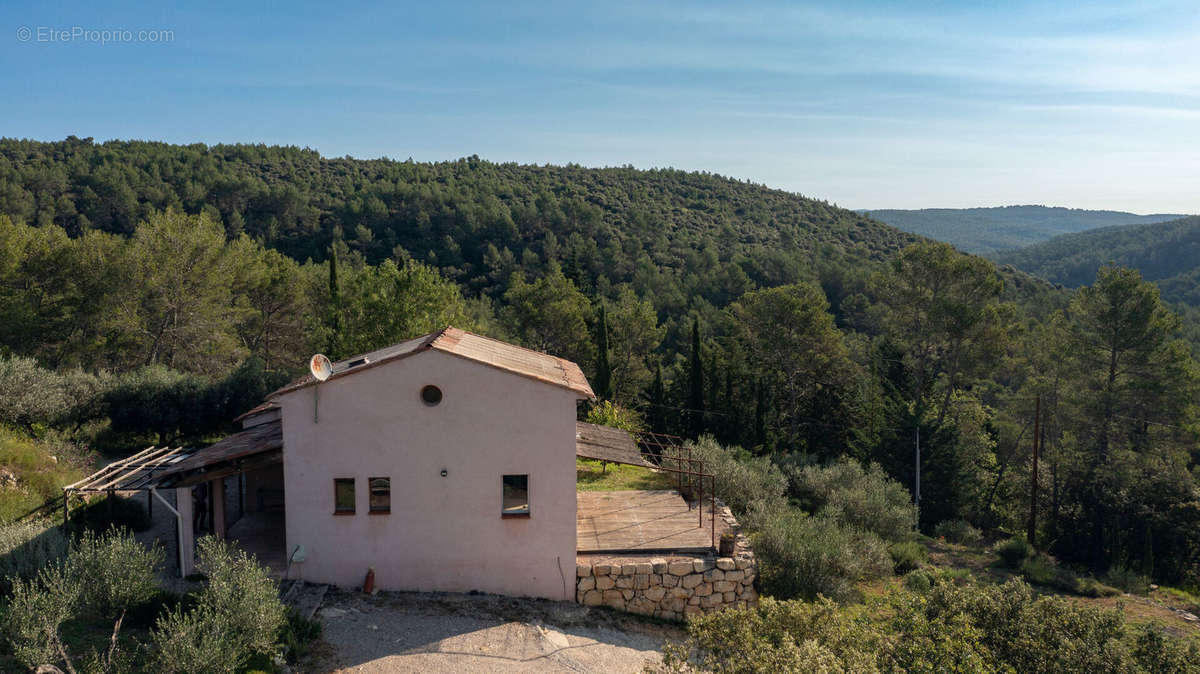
(446, 462)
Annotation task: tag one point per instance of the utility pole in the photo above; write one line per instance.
(917, 491)
(1033, 477)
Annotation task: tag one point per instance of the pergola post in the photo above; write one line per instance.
(216, 490)
(187, 536)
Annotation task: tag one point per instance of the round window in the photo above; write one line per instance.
(431, 395)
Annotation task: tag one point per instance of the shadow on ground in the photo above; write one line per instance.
(445, 632)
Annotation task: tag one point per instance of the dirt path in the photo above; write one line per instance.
(442, 632)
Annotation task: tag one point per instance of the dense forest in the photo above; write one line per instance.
(1167, 253)
(149, 291)
(1001, 228)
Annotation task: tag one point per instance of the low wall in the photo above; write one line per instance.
(674, 587)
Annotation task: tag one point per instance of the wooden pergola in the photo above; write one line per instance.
(139, 472)
(133, 473)
(181, 468)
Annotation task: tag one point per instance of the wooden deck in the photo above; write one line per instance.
(659, 521)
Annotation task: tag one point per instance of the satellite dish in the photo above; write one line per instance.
(320, 367)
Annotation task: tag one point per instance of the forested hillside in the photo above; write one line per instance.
(149, 292)
(449, 214)
(990, 230)
(1167, 253)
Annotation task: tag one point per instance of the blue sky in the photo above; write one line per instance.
(866, 104)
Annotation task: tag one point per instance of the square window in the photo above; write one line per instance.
(516, 496)
(381, 494)
(343, 496)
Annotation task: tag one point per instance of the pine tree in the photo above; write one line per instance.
(603, 387)
(696, 385)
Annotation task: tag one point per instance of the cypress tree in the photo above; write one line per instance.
(657, 397)
(713, 404)
(603, 387)
(573, 270)
(760, 413)
(696, 385)
(335, 305)
(730, 426)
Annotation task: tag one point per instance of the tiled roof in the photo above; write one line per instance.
(502, 355)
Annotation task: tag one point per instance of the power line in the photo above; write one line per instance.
(814, 422)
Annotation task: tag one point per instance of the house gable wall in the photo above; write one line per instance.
(443, 533)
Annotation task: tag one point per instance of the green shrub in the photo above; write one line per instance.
(36, 612)
(237, 614)
(1040, 570)
(863, 498)
(778, 636)
(741, 480)
(1090, 587)
(922, 580)
(1155, 651)
(954, 576)
(607, 413)
(297, 635)
(113, 512)
(30, 394)
(1014, 551)
(195, 641)
(116, 571)
(26, 548)
(948, 627)
(907, 555)
(101, 576)
(1127, 579)
(958, 531)
(918, 580)
(802, 556)
(158, 403)
(1030, 633)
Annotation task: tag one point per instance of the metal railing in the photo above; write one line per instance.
(668, 453)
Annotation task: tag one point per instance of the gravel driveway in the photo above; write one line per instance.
(443, 632)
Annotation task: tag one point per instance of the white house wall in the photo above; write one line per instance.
(443, 533)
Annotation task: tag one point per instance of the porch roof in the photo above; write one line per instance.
(255, 447)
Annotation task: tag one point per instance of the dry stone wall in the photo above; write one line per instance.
(672, 588)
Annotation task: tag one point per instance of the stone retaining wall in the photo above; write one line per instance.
(670, 587)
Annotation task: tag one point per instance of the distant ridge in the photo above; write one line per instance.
(994, 229)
